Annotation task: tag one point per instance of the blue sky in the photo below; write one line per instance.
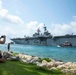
(47, 11)
(20, 17)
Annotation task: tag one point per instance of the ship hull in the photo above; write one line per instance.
(48, 41)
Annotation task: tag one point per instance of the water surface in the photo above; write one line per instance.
(58, 53)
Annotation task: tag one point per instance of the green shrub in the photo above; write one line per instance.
(47, 59)
(15, 54)
(24, 58)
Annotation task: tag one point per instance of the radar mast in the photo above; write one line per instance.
(45, 29)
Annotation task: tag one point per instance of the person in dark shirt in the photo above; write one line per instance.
(2, 59)
(8, 46)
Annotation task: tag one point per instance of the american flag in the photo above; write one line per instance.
(38, 30)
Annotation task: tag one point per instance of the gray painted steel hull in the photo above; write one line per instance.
(48, 41)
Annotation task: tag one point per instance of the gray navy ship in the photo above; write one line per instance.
(46, 39)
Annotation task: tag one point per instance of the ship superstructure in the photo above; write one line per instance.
(47, 39)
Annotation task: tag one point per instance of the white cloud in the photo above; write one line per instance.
(14, 19)
(54, 29)
(32, 27)
(63, 29)
(12, 31)
(0, 3)
(6, 16)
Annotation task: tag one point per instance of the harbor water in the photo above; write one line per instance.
(66, 54)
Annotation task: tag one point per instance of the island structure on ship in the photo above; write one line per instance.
(46, 39)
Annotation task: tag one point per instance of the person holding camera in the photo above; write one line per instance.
(4, 39)
(2, 59)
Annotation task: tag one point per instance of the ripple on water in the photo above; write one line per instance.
(58, 53)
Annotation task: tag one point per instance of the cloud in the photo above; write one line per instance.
(12, 32)
(13, 19)
(32, 27)
(54, 29)
(0, 3)
(63, 29)
(6, 16)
